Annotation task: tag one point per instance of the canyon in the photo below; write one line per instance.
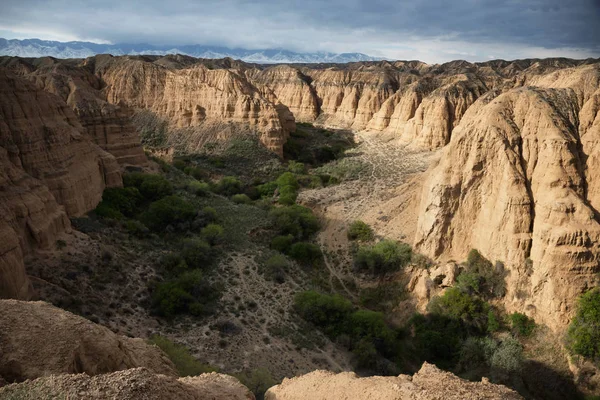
(500, 156)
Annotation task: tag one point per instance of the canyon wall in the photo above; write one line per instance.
(519, 182)
(50, 170)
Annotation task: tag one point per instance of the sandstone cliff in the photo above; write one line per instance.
(50, 170)
(428, 383)
(518, 181)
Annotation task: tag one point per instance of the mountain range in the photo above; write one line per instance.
(43, 48)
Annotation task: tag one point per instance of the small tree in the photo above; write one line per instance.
(213, 233)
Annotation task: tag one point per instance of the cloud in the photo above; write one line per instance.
(433, 30)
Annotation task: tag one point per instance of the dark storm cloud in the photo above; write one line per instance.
(435, 28)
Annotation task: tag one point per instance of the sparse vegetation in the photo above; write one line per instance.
(358, 230)
(384, 257)
(185, 363)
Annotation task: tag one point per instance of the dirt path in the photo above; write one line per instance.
(380, 194)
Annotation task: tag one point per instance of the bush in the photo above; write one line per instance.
(288, 188)
(276, 266)
(213, 233)
(267, 189)
(179, 164)
(125, 201)
(295, 220)
(185, 363)
(196, 173)
(306, 253)
(196, 253)
(371, 325)
(508, 357)
(328, 312)
(358, 230)
(152, 187)
(228, 186)
(199, 188)
(584, 332)
(437, 338)
(521, 324)
(170, 210)
(460, 306)
(296, 167)
(241, 199)
(282, 243)
(136, 228)
(173, 264)
(189, 292)
(485, 278)
(258, 381)
(103, 210)
(384, 257)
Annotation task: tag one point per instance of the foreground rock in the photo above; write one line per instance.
(38, 339)
(132, 384)
(429, 383)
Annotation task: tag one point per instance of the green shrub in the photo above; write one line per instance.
(384, 257)
(196, 172)
(288, 188)
(136, 228)
(295, 220)
(258, 381)
(365, 354)
(370, 324)
(328, 312)
(124, 200)
(276, 267)
(179, 164)
(358, 230)
(437, 338)
(521, 324)
(170, 210)
(241, 199)
(228, 186)
(267, 189)
(185, 363)
(210, 213)
(296, 167)
(213, 233)
(103, 210)
(460, 306)
(382, 297)
(282, 243)
(304, 252)
(493, 324)
(508, 357)
(196, 253)
(173, 264)
(198, 188)
(489, 277)
(584, 332)
(152, 187)
(189, 292)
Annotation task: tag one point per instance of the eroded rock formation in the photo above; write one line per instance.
(49, 170)
(38, 339)
(428, 383)
(518, 181)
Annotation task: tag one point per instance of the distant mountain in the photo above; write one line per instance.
(43, 48)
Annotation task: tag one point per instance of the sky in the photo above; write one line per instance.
(430, 31)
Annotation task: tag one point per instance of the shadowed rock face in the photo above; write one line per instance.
(428, 383)
(49, 170)
(519, 180)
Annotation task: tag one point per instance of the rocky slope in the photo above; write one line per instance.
(428, 383)
(518, 181)
(134, 384)
(38, 339)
